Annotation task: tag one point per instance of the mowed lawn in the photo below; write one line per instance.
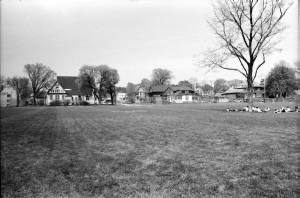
(148, 151)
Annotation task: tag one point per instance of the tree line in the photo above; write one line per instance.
(280, 82)
(102, 80)
(99, 80)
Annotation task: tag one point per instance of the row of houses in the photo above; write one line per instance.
(240, 93)
(167, 94)
(67, 91)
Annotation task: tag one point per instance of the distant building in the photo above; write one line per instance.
(241, 92)
(219, 98)
(66, 90)
(8, 97)
(141, 94)
(173, 94)
(121, 97)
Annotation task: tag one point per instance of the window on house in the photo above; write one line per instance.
(56, 97)
(8, 95)
(51, 97)
(63, 97)
(87, 97)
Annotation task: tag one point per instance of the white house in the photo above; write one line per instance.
(8, 97)
(66, 90)
(173, 94)
(141, 94)
(121, 97)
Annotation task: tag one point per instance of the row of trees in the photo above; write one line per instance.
(246, 31)
(40, 78)
(99, 80)
(159, 77)
(280, 82)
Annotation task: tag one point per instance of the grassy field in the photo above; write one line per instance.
(148, 151)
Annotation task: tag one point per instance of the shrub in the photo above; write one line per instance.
(84, 103)
(55, 103)
(67, 102)
(40, 102)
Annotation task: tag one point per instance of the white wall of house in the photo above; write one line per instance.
(58, 93)
(187, 98)
(8, 97)
(121, 97)
(74, 99)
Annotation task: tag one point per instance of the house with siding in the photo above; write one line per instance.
(66, 89)
(8, 97)
(141, 94)
(241, 92)
(121, 97)
(173, 94)
(157, 94)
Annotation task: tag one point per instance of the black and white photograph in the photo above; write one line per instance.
(150, 98)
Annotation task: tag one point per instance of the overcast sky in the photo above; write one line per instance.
(133, 36)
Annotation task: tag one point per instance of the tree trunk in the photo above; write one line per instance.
(18, 98)
(250, 92)
(34, 98)
(100, 96)
(111, 97)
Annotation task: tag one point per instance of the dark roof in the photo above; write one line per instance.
(158, 88)
(254, 86)
(233, 91)
(181, 88)
(70, 85)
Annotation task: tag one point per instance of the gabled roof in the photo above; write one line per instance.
(255, 85)
(158, 88)
(70, 85)
(139, 86)
(233, 91)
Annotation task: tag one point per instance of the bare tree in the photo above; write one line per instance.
(246, 30)
(161, 76)
(41, 78)
(111, 78)
(194, 82)
(21, 86)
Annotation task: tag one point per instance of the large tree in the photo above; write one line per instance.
(146, 84)
(207, 89)
(93, 78)
(131, 92)
(161, 76)
(185, 83)
(247, 31)
(21, 86)
(111, 78)
(281, 81)
(220, 85)
(235, 83)
(41, 78)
